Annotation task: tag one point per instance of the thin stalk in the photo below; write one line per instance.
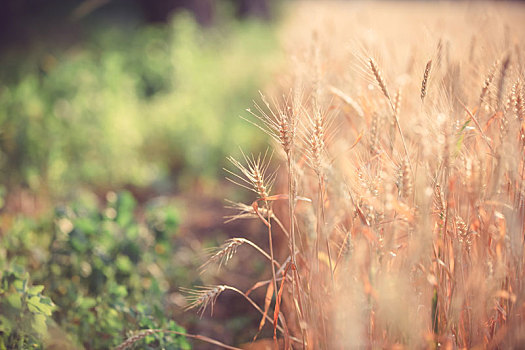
(291, 214)
(276, 219)
(271, 248)
(402, 136)
(480, 129)
(300, 312)
(142, 334)
(291, 208)
(253, 303)
(259, 310)
(319, 235)
(318, 230)
(321, 216)
(269, 257)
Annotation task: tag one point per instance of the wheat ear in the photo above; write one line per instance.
(379, 77)
(488, 82)
(425, 80)
(226, 251)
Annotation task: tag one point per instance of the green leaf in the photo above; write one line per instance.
(15, 300)
(86, 225)
(46, 301)
(35, 290)
(38, 305)
(46, 309)
(5, 325)
(119, 291)
(19, 285)
(124, 263)
(87, 303)
(151, 338)
(33, 304)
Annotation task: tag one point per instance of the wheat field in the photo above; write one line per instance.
(395, 179)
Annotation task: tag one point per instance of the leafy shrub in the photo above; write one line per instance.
(102, 267)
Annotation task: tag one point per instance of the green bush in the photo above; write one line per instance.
(130, 106)
(103, 268)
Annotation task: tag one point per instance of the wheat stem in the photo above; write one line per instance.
(144, 333)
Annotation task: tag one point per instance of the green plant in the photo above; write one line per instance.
(24, 311)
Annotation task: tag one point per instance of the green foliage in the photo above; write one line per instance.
(130, 106)
(24, 311)
(103, 268)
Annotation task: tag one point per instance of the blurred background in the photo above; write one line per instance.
(116, 117)
(105, 93)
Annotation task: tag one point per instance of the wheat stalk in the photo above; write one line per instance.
(144, 333)
(381, 82)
